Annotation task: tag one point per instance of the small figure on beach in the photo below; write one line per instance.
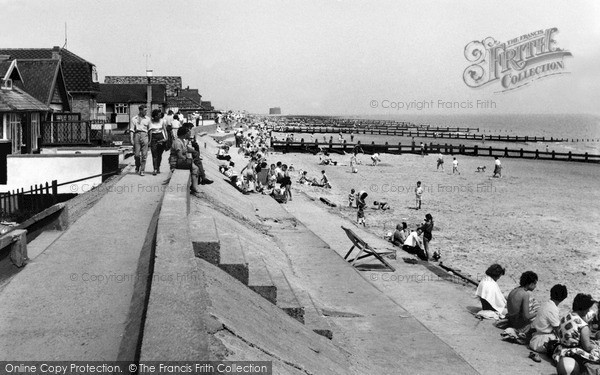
(427, 228)
(351, 198)
(522, 309)
(361, 204)
(547, 321)
(440, 161)
(489, 293)
(418, 195)
(422, 146)
(352, 136)
(375, 158)
(497, 168)
(455, 166)
(381, 205)
(414, 244)
(400, 234)
(353, 163)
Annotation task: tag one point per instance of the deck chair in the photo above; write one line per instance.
(366, 249)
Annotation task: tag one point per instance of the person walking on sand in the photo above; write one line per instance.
(440, 161)
(138, 135)
(422, 149)
(455, 166)
(418, 195)
(497, 168)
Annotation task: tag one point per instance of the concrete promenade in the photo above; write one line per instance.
(72, 302)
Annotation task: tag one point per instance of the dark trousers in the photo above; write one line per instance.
(157, 148)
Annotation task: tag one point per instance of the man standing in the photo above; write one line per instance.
(455, 166)
(138, 135)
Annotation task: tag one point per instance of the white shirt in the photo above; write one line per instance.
(547, 318)
(497, 162)
(455, 163)
(414, 240)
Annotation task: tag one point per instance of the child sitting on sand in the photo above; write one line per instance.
(324, 181)
(380, 205)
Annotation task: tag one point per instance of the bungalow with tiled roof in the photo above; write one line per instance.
(120, 102)
(80, 76)
(43, 79)
(20, 114)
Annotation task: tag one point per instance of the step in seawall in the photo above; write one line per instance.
(313, 318)
(231, 257)
(286, 298)
(205, 238)
(259, 279)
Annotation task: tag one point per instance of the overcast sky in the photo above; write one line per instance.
(320, 57)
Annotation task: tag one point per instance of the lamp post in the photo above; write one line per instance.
(149, 90)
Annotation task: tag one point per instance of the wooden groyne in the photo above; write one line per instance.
(345, 127)
(347, 147)
(447, 133)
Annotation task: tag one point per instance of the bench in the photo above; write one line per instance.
(368, 251)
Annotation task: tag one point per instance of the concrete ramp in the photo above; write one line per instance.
(261, 331)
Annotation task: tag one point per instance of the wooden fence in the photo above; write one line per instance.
(419, 133)
(357, 128)
(399, 148)
(36, 199)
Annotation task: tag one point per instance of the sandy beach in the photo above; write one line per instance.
(541, 215)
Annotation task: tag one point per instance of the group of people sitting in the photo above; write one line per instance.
(416, 241)
(572, 342)
(185, 154)
(322, 182)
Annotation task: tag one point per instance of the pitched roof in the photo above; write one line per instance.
(130, 93)
(5, 66)
(39, 77)
(77, 71)
(18, 100)
(42, 53)
(183, 103)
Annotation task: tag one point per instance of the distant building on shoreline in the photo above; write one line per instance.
(275, 111)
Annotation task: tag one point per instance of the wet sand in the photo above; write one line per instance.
(541, 215)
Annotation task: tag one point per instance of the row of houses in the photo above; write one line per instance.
(52, 97)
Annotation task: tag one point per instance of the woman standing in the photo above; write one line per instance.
(158, 139)
(427, 228)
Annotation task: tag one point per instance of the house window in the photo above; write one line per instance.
(35, 130)
(16, 134)
(121, 108)
(3, 127)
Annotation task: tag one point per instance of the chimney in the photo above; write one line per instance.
(56, 53)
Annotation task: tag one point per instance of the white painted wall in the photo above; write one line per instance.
(24, 171)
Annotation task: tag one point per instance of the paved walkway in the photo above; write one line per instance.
(72, 301)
